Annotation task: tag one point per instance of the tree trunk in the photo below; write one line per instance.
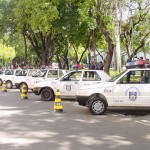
(117, 49)
(94, 47)
(109, 56)
(25, 49)
(108, 38)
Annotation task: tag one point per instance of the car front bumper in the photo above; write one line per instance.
(36, 91)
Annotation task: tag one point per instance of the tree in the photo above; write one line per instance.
(35, 24)
(136, 32)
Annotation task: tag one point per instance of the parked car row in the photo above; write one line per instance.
(92, 88)
(28, 76)
(8, 75)
(69, 83)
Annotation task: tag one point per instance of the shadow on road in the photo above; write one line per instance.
(131, 112)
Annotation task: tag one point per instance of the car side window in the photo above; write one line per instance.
(136, 77)
(91, 76)
(52, 74)
(9, 72)
(73, 76)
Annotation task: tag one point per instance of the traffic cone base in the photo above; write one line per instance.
(58, 110)
(24, 96)
(4, 89)
(24, 92)
(57, 104)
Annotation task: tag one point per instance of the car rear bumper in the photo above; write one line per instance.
(17, 85)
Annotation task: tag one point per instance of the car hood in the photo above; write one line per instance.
(97, 86)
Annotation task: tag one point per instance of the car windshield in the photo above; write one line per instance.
(20, 72)
(32, 72)
(9, 72)
(116, 77)
(40, 73)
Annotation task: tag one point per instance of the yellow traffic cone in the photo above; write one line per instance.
(24, 92)
(4, 88)
(57, 104)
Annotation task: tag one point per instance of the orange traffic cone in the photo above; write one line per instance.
(4, 88)
(57, 104)
(24, 92)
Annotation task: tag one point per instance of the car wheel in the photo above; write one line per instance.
(47, 95)
(21, 86)
(1, 82)
(97, 106)
(9, 85)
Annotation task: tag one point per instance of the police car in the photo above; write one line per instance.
(131, 88)
(22, 77)
(44, 75)
(9, 77)
(68, 84)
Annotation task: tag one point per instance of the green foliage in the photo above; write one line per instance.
(6, 54)
(39, 17)
(136, 30)
(59, 29)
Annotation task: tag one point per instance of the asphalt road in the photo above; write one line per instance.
(33, 125)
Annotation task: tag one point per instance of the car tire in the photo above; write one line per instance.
(97, 106)
(1, 82)
(21, 86)
(9, 85)
(47, 94)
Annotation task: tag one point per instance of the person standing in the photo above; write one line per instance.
(128, 65)
(100, 65)
(92, 67)
(78, 66)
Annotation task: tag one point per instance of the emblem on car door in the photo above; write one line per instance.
(68, 87)
(133, 93)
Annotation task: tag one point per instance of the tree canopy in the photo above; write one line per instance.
(68, 30)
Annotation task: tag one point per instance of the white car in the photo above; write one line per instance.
(22, 77)
(1, 75)
(1, 72)
(68, 84)
(43, 75)
(131, 88)
(9, 77)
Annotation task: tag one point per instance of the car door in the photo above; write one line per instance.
(70, 83)
(133, 89)
(36, 78)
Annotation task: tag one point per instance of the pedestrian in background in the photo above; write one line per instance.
(78, 66)
(100, 65)
(92, 67)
